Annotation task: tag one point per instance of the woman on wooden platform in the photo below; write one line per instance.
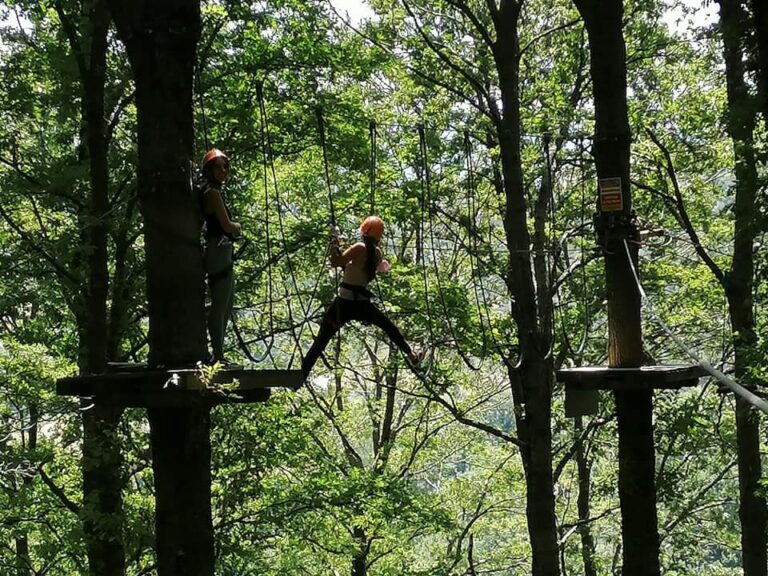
(219, 232)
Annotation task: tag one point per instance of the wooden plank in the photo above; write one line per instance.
(644, 377)
(182, 398)
(136, 387)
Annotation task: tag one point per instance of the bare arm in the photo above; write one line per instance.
(353, 254)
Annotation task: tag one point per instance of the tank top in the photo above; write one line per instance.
(213, 227)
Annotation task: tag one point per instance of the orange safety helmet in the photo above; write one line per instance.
(372, 226)
(212, 154)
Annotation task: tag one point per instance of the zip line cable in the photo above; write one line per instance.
(735, 387)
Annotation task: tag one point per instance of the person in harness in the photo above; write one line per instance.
(219, 232)
(360, 262)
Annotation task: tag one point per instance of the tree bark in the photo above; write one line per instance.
(760, 25)
(360, 559)
(618, 235)
(532, 379)
(181, 460)
(102, 510)
(23, 560)
(161, 42)
(739, 283)
(584, 506)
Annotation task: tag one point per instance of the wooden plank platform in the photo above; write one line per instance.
(138, 386)
(604, 378)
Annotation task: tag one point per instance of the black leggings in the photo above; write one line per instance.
(339, 313)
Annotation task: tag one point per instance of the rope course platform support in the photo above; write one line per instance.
(582, 384)
(136, 385)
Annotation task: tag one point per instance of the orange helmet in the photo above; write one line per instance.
(212, 154)
(372, 226)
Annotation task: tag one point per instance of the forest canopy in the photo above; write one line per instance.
(475, 130)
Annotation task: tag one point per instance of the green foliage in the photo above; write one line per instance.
(369, 464)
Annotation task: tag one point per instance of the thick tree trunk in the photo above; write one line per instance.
(161, 41)
(181, 460)
(360, 559)
(637, 491)
(102, 511)
(739, 287)
(532, 381)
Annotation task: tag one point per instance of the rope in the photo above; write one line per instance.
(269, 159)
(498, 346)
(441, 293)
(473, 244)
(422, 168)
(324, 144)
(202, 107)
(735, 387)
(374, 138)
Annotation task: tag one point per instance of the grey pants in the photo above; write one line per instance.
(221, 282)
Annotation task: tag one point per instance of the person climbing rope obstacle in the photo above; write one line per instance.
(360, 262)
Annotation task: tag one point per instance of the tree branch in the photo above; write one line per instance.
(58, 492)
(546, 33)
(60, 269)
(462, 6)
(444, 57)
(685, 221)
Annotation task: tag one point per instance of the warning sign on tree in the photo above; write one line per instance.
(610, 195)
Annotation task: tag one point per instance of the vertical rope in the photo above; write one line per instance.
(433, 249)
(374, 138)
(423, 178)
(324, 144)
(473, 245)
(202, 107)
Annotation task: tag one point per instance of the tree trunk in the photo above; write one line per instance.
(532, 380)
(181, 460)
(23, 560)
(760, 25)
(584, 506)
(739, 287)
(360, 559)
(102, 511)
(161, 42)
(618, 233)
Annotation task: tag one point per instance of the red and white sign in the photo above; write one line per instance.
(610, 195)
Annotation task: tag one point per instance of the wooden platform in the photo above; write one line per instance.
(604, 378)
(136, 385)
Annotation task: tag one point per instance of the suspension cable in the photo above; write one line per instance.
(324, 144)
(735, 387)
